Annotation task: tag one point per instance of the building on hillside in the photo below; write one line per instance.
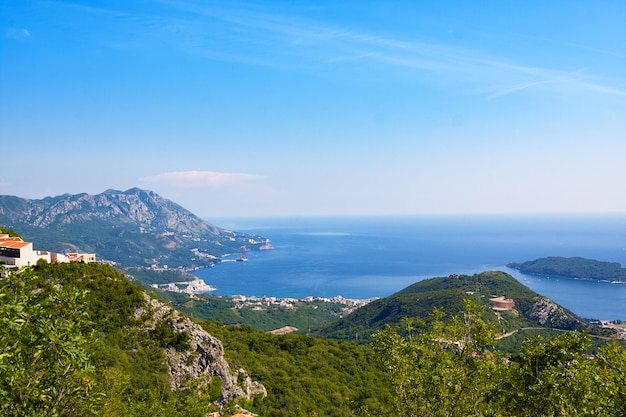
(15, 252)
(502, 303)
(82, 257)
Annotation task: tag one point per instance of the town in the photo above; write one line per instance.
(261, 303)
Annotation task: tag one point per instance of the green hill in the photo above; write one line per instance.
(531, 310)
(576, 267)
(80, 339)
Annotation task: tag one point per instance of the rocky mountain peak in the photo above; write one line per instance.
(134, 227)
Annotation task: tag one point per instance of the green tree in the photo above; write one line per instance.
(552, 378)
(441, 372)
(449, 371)
(44, 367)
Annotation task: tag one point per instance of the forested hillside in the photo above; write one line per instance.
(575, 267)
(448, 294)
(79, 340)
(88, 319)
(452, 370)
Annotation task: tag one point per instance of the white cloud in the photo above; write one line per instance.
(200, 179)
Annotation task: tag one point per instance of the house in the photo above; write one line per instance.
(17, 253)
(82, 257)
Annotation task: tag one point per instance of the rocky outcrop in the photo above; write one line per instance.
(142, 207)
(548, 313)
(202, 360)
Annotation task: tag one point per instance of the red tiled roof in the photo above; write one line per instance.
(13, 244)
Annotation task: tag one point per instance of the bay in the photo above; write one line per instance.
(365, 257)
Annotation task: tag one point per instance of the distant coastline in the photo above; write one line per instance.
(363, 257)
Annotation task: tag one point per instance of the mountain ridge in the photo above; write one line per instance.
(135, 227)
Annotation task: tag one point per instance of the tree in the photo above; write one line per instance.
(449, 371)
(44, 367)
(441, 372)
(552, 378)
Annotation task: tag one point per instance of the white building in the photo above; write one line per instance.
(14, 252)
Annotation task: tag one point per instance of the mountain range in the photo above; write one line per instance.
(129, 228)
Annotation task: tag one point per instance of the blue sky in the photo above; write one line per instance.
(318, 107)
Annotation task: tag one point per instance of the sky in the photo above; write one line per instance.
(302, 108)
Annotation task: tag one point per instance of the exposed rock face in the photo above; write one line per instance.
(547, 313)
(143, 207)
(204, 359)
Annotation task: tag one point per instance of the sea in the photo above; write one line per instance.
(366, 257)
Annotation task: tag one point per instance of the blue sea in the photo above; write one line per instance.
(364, 257)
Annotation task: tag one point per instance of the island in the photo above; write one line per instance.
(575, 267)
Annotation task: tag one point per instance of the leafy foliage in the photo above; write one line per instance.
(45, 368)
(439, 373)
(306, 376)
(451, 371)
(70, 345)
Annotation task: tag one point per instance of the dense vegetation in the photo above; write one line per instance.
(70, 346)
(118, 368)
(307, 376)
(575, 267)
(449, 294)
(451, 370)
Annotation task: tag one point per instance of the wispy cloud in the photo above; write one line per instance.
(17, 34)
(201, 179)
(578, 46)
(251, 34)
(311, 40)
(515, 89)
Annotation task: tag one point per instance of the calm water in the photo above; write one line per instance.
(375, 257)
